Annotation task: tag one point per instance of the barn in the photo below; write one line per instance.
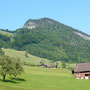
(82, 71)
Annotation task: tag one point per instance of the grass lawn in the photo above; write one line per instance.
(37, 78)
(21, 54)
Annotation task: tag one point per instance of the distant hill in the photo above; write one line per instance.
(53, 40)
(5, 39)
(6, 33)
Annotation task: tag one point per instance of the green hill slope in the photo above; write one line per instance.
(50, 39)
(6, 33)
(30, 60)
(5, 39)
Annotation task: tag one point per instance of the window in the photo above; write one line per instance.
(87, 74)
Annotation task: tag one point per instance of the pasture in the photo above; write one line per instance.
(31, 60)
(34, 60)
(38, 78)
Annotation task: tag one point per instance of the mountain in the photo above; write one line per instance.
(48, 38)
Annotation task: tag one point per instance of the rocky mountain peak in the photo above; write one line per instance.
(33, 23)
(30, 25)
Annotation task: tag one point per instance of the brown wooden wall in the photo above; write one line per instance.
(81, 75)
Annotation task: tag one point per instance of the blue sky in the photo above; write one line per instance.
(75, 13)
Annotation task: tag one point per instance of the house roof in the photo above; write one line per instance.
(82, 67)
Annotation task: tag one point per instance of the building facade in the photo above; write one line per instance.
(82, 71)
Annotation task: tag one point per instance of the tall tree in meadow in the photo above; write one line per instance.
(11, 66)
(18, 68)
(6, 66)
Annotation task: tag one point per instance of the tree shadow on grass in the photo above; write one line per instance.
(11, 81)
(17, 79)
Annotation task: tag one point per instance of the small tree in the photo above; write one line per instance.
(63, 65)
(42, 62)
(1, 52)
(51, 63)
(10, 66)
(6, 66)
(26, 54)
(56, 64)
(17, 67)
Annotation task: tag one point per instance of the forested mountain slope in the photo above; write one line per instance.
(50, 39)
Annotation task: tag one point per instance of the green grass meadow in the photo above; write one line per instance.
(38, 78)
(34, 60)
(21, 54)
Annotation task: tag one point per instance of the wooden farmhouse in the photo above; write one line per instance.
(82, 71)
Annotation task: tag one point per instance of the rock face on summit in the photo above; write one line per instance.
(30, 25)
(43, 22)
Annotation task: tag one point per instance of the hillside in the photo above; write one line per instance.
(6, 33)
(50, 39)
(30, 60)
(5, 39)
(47, 38)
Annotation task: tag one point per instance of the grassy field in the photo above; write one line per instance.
(33, 60)
(37, 78)
(21, 54)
